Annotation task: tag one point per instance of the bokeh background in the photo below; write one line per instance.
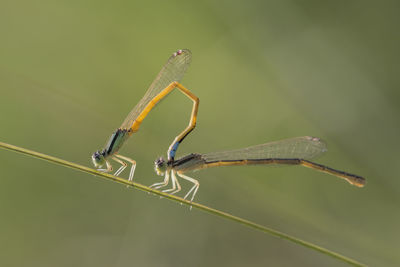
(264, 70)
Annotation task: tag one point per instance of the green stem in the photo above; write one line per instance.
(183, 201)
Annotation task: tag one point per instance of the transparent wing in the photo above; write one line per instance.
(305, 147)
(172, 71)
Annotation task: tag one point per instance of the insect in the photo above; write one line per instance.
(293, 151)
(166, 81)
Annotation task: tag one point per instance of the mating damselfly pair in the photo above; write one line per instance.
(293, 151)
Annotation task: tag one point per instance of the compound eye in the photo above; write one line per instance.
(96, 155)
(159, 161)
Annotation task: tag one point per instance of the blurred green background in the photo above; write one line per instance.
(264, 70)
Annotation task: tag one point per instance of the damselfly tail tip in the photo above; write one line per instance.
(354, 179)
(358, 181)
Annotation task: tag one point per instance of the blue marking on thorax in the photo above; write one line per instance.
(173, 150)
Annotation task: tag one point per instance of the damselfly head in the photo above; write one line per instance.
(160, 166)
(98, 159)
